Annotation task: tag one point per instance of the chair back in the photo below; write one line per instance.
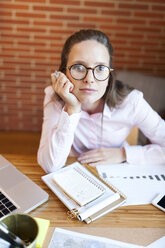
(132, 138)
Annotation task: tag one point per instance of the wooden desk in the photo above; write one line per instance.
(123, 218)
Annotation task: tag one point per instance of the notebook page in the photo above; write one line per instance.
(78, 185)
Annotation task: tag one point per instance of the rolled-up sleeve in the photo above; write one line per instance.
(57, 134)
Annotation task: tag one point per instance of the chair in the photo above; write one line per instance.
(132, 138)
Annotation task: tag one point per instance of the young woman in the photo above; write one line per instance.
(89, 114)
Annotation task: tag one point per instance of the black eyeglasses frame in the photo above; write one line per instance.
(89, 68)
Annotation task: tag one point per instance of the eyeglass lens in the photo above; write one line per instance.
(79, 72)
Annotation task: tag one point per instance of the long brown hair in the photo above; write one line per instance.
(116, 90)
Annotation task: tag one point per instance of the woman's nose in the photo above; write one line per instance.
(89, 77)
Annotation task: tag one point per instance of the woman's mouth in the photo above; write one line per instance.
(88, 90)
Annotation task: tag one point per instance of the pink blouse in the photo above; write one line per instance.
(64, 135)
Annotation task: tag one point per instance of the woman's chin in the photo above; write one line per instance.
(88, 101)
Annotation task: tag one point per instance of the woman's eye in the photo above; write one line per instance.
(80, 68)
(101, 68)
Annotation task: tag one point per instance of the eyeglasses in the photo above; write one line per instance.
(79, 72)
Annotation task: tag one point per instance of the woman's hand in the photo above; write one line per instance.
(63, 87)
(103, 156)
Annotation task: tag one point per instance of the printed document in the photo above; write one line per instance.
(62, 238)
(140, 183)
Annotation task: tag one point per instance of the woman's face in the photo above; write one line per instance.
(89, 53)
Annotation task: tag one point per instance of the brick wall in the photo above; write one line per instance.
(32, 33)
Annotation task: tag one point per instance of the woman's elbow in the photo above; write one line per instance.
(47, 164)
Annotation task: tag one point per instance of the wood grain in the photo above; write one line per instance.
(141, 216)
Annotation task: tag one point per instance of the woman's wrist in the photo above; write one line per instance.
(72, 109)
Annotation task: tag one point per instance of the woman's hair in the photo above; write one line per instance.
(116, 90)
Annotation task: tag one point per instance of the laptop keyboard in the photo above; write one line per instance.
(6, 206)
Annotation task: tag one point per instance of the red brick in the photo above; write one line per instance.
(22, 63)
(14, 36)
(31, 43)
(15, 74)
(118, 41)
(48, 37)
(20, 22)
(133, 6)
(46, 23)
(55, 44)
(40, 30)
(146, 29)
(158, 7)
(51, 50)
(6, 42)
(114, 27)
(5, 28)
(13, 49)
(157, 23)
(65, 17)
(99, 4)
(129, 35)
(98, 19)
(5, 13)
(32, 1)
(131, 21)
(48, 8)
(148, 14)
(30, 15)
(81, 25)
(152, 63)
(151, 1)
(156, 50)
(82, 11)
(116, 13)
(65, 2)
(6, 55)
(159, 38)
(144, 43)
(14, 6)
(143, 56)
(32, 57)
(61, 31)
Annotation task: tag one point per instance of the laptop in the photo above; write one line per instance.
(18, 193)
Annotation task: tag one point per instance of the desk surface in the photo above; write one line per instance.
(140, 225)
(128, 217)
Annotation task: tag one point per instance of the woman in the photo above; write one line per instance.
(89, 114)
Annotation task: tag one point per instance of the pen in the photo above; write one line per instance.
(56, 74)
(10, 237)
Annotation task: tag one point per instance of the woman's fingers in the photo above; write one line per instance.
(68, 87)
(59, 80)
(91, 156)
(53, 78)
(103, 156)
(63, 87)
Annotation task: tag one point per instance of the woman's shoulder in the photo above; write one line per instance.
(134, 96)
(132, 99)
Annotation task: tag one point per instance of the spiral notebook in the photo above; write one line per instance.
(82, 188)
(83, 193)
